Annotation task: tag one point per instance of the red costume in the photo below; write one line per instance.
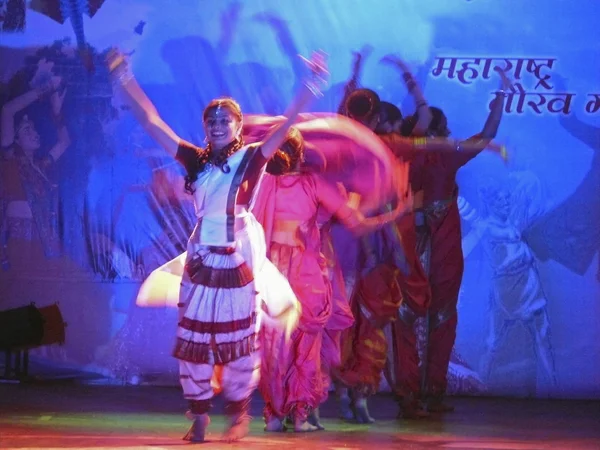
(391, 277)
(438, 242)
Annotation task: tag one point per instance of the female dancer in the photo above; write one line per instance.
(438, 243)
(391, 267)
(289, 206)
(28, 194)
(218, 300)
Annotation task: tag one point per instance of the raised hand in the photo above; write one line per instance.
(43, 74)
(505, 82)
(317, 64)
(395, 61)
(406, 203)
(57, 99)
(359, 57)
(364, 53)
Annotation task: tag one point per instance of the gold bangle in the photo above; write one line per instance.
(116, 63)
(420, 142)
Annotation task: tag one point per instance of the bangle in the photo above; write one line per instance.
(313, 88)
(421, 104)
(458, 147)
(123, 78)
(420, 142)
(117, 63)
(502, 93)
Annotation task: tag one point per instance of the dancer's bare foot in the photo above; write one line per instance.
(345, 404)
(239, 428)
(198, 429)
(362, 412)
(275, 425)
(314, 418)
(304, 427)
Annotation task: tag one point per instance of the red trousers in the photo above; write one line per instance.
(416, 293)
(375, 300)
(440, 239)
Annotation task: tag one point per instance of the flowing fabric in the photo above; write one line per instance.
(342, 151)
(161, 288)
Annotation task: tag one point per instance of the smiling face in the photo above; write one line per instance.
(222, 123)
(27, 136)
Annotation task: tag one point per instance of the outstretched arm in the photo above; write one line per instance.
(479, 142)
(8, 114)
(42, 84)
(64, 140)
(352, 84)
(346, 208)
(424, 114)
(143, 109)
(360, 225)
(310, 88)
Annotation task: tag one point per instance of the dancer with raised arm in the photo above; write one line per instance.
(389, 266)
(28, 191)
(224, 278)
(438, 243)
(288, 206)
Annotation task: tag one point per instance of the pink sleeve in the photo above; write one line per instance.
(329, 195)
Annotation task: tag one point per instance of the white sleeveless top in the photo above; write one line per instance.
(215, 198)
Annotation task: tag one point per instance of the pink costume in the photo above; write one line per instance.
(293, 380)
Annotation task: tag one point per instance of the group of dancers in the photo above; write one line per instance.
(262, 298)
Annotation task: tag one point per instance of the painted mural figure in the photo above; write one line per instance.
(228, 284)
(28, 193)
(570, 234)
(517, 296)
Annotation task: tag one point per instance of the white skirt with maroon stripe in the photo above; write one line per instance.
(223, 295)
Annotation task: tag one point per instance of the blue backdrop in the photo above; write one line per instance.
(114, 201)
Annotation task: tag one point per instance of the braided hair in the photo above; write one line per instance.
(207, 156)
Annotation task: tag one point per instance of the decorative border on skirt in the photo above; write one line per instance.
(198, 326)
(219, 277)
(225, 352)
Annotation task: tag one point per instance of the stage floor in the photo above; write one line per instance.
(75, 416)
